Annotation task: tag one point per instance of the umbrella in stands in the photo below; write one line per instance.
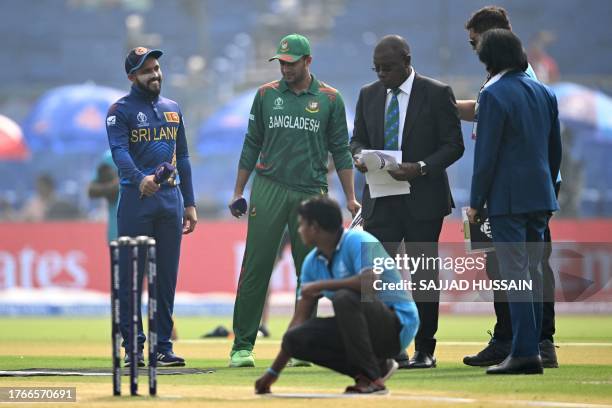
(12, 145)
(70, 119)
(587, 111)
(223, 132)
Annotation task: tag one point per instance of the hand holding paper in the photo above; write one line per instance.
(378, 162)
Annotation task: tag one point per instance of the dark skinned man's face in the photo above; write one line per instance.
(391, 66)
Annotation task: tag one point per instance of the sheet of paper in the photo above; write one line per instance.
(380, 182)
(376, 160)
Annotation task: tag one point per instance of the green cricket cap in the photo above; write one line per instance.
(291, 48)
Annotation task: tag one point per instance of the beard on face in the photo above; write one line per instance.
(146, 87)
(295, 78)
(297, 75)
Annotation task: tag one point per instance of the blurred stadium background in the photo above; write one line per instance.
(62, 66)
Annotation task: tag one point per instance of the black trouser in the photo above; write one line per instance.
(503, 326)
(548, 288)
(357, 340)
(391, 224)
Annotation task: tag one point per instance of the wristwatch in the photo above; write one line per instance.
(423, 167)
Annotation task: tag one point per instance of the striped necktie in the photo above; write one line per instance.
(392, 123)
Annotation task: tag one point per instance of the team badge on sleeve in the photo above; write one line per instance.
(111, 120)
(172, 117)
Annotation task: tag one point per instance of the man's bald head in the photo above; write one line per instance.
(392, 60)
(395, 44)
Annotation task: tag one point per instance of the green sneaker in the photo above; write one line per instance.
(294, 362)
(242, 358)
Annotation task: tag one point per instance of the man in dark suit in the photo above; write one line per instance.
(417, 115)
(499, 345)
(517, 158)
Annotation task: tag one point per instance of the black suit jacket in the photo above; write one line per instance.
(432, 133)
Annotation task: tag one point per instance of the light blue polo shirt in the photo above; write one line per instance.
(355, 253)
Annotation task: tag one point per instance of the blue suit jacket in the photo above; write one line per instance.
(518, 147)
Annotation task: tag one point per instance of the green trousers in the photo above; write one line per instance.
(272, 207)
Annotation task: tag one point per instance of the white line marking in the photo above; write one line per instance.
(555, 404)
(442, 343)
(448, 400)
(299, 395)
(569, 344)
(596, 382)
(224, 341)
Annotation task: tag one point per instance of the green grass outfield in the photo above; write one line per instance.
(584, 379)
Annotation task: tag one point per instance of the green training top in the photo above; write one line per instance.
(289, 135)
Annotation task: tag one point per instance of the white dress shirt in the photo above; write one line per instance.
(402, 98)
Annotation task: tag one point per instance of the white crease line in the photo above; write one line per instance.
(555, 404)
(596, 382)
(442, 343)
(570, 344)
(448, 400)
(223, 341)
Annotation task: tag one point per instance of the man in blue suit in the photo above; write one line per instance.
(518, 150)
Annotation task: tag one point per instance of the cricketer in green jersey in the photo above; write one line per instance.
(294, 124)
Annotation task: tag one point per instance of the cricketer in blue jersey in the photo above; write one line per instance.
(371, 324)
(145, 130)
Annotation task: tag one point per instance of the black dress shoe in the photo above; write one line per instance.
(518, 365)
(495, 352)
(548, 354)
(422, 359)
(402, 359)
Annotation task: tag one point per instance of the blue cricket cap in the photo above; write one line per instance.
(137, 56)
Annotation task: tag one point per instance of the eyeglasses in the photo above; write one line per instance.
(382, 68)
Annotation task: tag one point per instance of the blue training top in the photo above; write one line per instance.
(355, 253)
(145, 131)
